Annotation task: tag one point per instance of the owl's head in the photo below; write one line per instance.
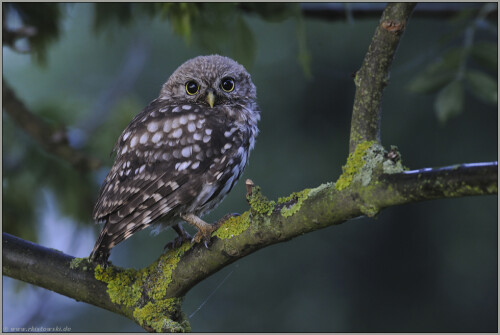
(209, 80)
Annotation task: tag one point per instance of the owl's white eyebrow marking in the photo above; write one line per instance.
(183, 120)
(156, 137)
(206, 139)
(191, 127)
(126, 135)
(144, 138)
(186, 107)
(208, 131)
(133, 141)
(167, 126)
(186, 152)
(177, 133)
(152, 127)
(176, 109)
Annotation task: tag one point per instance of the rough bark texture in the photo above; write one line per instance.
(373, 75)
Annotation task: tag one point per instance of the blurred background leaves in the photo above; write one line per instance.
(421, 267)
(470, 66)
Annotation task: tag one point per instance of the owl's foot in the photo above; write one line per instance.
(182, 237)
(205, 229)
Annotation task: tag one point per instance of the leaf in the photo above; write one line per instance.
(430, 83)
(485, 54)
(482, 86)
(181, 16)
(245, 45)
(437, 74)
(450, 101)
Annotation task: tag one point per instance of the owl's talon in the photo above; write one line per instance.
(183, 236)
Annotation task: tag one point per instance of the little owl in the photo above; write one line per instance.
(181, 155)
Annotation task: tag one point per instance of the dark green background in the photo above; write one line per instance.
(426, 267)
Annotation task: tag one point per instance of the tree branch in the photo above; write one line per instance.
(373, 75)
(52, 140)
(342, 11)
(152, 296)
(50, 269)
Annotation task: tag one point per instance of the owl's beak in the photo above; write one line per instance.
(211, 99)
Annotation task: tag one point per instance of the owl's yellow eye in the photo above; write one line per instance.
(227, 84)
(192, 87)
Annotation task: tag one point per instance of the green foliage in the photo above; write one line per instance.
(445, 76)
(450, 101)
(181, 16)
(482, 86)
(485, 54)
(437, 74)
(45, 18)
(215, 27)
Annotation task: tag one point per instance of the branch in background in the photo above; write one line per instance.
(52, 140)
(146, 295)
(342, 11)
(373, 75)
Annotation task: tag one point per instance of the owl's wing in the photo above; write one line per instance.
(165, 161)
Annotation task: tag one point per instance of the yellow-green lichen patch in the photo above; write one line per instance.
(124, 286)
(158, 276)
(259, 203)
(293, 202)
(233, 226)
(353, 166)
(155, 316)
(131, 287)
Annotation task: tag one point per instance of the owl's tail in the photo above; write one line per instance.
(102, 248)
